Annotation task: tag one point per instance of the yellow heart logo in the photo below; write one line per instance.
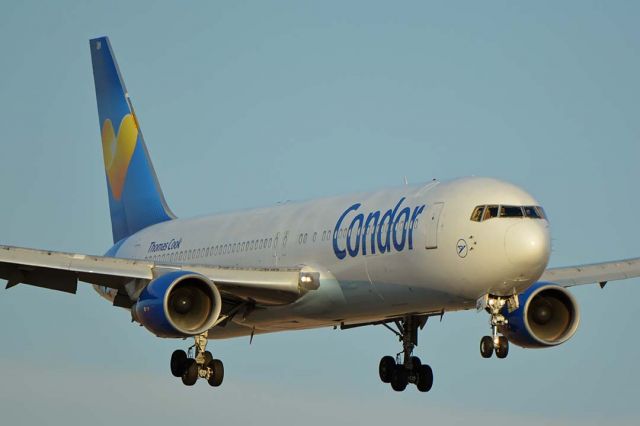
(118, 150)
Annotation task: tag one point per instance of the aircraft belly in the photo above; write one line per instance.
(337, 302)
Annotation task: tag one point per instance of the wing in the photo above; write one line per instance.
(593, 273)
(62, 271)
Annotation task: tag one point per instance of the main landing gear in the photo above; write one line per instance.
(410, 370)
(494, 305)
(198, 364)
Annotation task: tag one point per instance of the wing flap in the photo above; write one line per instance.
(53, 280)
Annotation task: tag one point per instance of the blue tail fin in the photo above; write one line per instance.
(135, 197)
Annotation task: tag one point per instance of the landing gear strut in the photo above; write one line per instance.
(494, 305)
(199, 363)
(400, 371)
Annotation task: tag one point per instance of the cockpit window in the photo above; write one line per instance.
(476, 216)
(541, 212)
(482, 213)
(489, 212)
(532, 211)
(511, 211)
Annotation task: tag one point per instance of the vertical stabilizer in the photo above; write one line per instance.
(135, 198)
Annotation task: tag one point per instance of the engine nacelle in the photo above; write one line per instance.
(548, 315)
(178, 304)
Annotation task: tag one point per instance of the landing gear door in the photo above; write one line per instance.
(433, 219)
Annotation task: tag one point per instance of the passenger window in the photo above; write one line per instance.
(490, 212)
(511, 211)
(476, 216)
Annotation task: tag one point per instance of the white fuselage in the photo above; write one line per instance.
(412, 249)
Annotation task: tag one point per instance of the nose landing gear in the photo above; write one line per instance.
(199, 363)
(494, 305)
(399, 372)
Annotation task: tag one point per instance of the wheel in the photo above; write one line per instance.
(190, 375)
(399, 379)
(178, 361)
(415, 363)
(217, 372)
(502, 350)
(486, 347)
(425, 378)
(386, 367)
(207, 358)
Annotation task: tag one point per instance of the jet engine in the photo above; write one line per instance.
(548, 315)
(178, 304)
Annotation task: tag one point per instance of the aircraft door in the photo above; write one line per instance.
(274, 246)
(283, 248)
(280, 246)
(431, 228)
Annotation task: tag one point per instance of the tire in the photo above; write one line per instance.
(415, 364)
(503, 347)
(190, 375)
(399, 379)
(178, 362)
(386, 367)
(217, 372)
(207, 358)
(425, 378)
(486, 347)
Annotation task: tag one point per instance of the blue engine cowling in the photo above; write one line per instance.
(178, 304)
(548, 315)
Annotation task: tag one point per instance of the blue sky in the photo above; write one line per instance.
(246, 104)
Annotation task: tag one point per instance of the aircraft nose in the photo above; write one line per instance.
(527, 243)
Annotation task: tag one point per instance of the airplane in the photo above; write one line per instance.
(393, 257)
